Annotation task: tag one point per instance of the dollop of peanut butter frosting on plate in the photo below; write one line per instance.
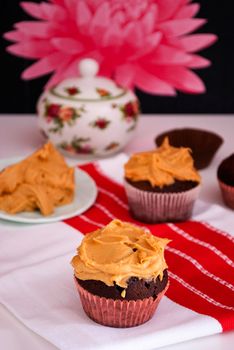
(119, 251)
(41, 181)
(162, 166)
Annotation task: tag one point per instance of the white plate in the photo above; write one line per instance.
(85, 195)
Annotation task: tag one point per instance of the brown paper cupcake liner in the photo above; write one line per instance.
(152, 207)
(227, 194)
(118, 313)
(203, 143)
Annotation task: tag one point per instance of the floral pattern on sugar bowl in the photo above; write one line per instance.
(89, 115)
(58, 115)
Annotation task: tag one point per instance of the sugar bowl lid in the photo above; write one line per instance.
(88, 87)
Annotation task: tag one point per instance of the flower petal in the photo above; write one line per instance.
(188, 11)
(119, 18)
(149, 20)
(112, 36)
(70, 6)
(83, 14)
(133, 35)
(44, 11)
(169, 55)
(182, 79)
(71, 70)
(198, 62)
(31, 49)
(195, 42)
(53, 12)
(68, 45)
(167, 8)
(37, 29)
(102, 16)
(33, 9)
(58, 2)
(44, 65)
(55, 79)
(100, 21)
(181, 26)
(68, 69)
(152, 84)
(15, 35)
(150, 44)
(125, 75)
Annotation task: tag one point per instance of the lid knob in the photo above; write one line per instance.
(88, 67)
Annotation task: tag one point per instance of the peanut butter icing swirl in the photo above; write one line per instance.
(41, 181)
(162, 166)
(120, 251)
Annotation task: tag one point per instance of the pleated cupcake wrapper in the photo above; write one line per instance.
(227, 194)
(154, 207)
(118, 313)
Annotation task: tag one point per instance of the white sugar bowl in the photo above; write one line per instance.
(89, 115)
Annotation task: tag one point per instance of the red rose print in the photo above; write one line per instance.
(78, 145)
(69, 148)
(131, 109)
(86, 149)
(130, 113)
(103, 92)
(53, 110)
(66, 113)
(100, 123)
(72, 90)
(111, 146)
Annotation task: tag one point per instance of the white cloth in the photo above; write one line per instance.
(36, 285)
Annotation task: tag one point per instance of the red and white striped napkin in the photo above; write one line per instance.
(36, 280)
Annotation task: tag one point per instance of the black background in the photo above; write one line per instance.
(18, 96)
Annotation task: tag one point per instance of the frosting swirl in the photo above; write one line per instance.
(119, 251)
(161, 167)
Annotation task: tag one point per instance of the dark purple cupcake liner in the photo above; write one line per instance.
(203, 143)
(118, 313)
(155, 207)
(227, 194)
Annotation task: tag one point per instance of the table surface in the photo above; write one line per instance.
(20, 136)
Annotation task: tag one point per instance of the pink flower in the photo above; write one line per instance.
(144, 43)
(53, 110)
(66, 113)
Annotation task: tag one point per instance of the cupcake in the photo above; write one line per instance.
(120, 274)
(194, 138)
(225, 176)
(161, 185)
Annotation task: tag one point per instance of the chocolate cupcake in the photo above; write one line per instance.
(204, 144)
(225, 176)
(121, 274)
(162, 185)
